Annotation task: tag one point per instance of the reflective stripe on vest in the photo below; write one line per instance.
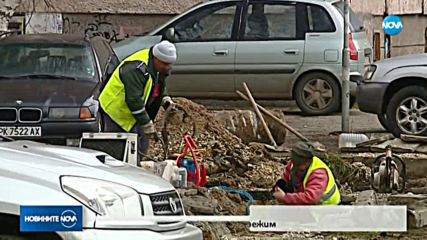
(112, 98)
(331, 196)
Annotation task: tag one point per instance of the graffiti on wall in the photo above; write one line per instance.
(97, 25)
(43, 23)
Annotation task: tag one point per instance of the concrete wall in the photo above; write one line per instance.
(106, 6)
(411, 40)
(7, 8)
(414, 16)
(372, 7)
(43, 23)
(112, 27)
(399, 7)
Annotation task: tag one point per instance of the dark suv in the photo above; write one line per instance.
(49, 85)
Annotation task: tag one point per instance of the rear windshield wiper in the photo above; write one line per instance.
(41, 76)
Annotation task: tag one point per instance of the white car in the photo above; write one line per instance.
(116, 198)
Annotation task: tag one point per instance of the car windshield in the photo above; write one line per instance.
(52, 61)
(355, 24)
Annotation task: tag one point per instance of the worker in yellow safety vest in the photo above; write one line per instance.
(307, 180)
(133, 95)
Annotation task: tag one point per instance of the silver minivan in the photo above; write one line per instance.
(281, 49)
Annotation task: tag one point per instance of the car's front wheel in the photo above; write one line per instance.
(407, 112)
(317, 94)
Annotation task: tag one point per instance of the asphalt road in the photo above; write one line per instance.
(326, 129)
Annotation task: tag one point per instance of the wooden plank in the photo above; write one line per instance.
(397, 145)
(375, 141)
(355, 149)
(412, 138)
(406, 199)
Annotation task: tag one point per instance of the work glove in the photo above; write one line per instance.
(279, 194)
(168, 103)
(284, 186)
(149, 131)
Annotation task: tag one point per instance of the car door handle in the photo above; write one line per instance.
(223, 52)
(291, 51)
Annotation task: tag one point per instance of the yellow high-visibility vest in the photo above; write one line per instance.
(112, 98)
(331, 196)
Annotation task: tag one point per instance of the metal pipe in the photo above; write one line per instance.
(345, 93)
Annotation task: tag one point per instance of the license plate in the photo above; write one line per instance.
(21, 131)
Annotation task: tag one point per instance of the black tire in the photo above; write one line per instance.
(405, 105)
(309, 95)
(382, 118)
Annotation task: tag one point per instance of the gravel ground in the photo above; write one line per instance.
(325, 129)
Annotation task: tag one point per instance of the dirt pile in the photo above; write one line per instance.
(202, 201)
(229, 161)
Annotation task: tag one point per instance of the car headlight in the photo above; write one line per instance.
(70, 113)
(370, 72)
(105, 198)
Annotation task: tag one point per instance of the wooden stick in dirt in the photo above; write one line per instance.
(284, 124)
(258, 113)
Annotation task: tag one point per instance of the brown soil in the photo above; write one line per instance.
(230, 162)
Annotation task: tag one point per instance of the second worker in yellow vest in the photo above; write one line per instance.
(307, 180)
(133, 95)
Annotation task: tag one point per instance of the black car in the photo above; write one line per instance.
(49, 85)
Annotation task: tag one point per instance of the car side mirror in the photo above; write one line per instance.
(170, 34)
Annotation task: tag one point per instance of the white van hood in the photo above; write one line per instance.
(44, 164)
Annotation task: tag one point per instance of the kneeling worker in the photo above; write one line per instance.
(307, 180)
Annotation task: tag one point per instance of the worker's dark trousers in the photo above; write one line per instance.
(143, 144)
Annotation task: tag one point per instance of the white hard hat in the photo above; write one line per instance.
(165, 51)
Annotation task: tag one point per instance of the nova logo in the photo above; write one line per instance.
(392, 25)
(68, 219)
(51, 218)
